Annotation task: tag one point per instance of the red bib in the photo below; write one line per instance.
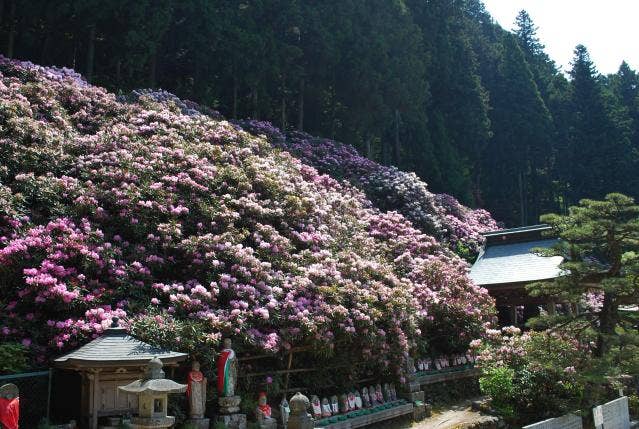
(9, 412)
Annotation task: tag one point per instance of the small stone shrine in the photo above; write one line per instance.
(9, 406)
(112, 360)
(229, 403)
(152, 392)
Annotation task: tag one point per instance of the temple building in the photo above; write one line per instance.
(506, 265)
(112, 360)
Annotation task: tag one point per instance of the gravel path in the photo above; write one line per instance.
(455, 417)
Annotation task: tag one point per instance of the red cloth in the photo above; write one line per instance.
(196, 376)
(9, 412)
(265, 409)
(221, 370)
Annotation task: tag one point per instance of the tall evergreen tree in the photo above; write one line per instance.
(542, 67)
(520, 150)
(625, 87)
(459, 100)
(598, 158)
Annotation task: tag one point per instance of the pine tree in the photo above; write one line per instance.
(600, 240)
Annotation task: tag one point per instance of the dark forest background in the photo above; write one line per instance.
(431, 86)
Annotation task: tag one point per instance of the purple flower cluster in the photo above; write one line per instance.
(387, 187)
(160, 215)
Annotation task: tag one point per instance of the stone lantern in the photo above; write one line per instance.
(152, 392)
(300, 418)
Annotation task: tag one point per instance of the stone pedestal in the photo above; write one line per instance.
(229, 404)
(268, 424)
(416, 396)
(199, 423)
(301, 422)
(232, 421)
(419, 412)
(152, 422)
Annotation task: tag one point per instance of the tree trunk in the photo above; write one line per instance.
(397, 151)
(300, 118)
(476, 191)
(90, 53)
(12, 29)
(45, 48)
(522, 204)
(535, 204)
(386, 153)
(118, 71)
(369, 147)
(283, 103)
(607, 324)
(152, 69)
(255, 101)
(75, 54)
(235, 85)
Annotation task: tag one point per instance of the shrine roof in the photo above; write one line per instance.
(116, 348)
(515, 263)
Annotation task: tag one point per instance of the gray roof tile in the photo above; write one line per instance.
(513, 263)
(115, 345)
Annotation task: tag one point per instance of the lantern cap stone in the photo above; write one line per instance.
(154, 381)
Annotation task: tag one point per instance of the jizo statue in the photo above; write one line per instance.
(226, 370)
(196, 391)
(9, 406)
(326, 408)
(263, 411)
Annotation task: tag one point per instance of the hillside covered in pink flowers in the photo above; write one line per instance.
(190, 228)
(389, 188)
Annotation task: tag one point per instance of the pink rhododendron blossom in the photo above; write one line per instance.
(159, 212)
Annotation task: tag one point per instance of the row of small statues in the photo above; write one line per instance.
(370, 397)
(352, 401)
(228, 401)
(444, 362)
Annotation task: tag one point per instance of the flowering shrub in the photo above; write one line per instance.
(387, 187)
(13, 358)
(189, 228)
(534, 375)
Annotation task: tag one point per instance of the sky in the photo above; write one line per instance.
(608, 28)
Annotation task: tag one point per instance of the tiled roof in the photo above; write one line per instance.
(115, 346)
(513, 263)
(531, 228)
